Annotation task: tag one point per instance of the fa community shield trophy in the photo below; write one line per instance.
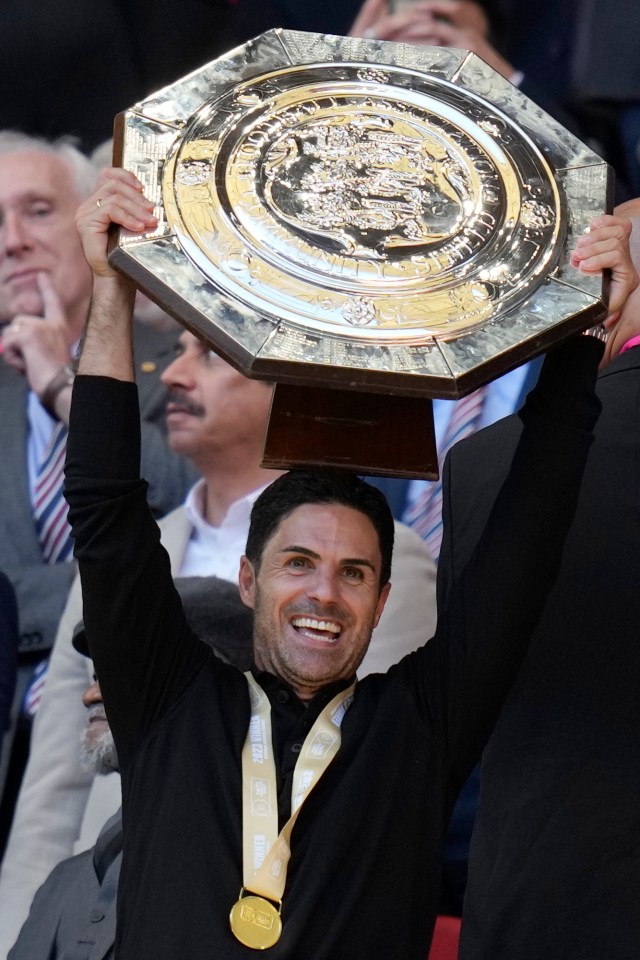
(369, 224)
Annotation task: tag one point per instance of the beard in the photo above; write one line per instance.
(299, 667)
(98, 753)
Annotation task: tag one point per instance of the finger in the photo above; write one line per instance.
(616, 232)
(20, 329)
(52, 307)
(120, 175)
(123, 206)
(411, 17)
(605, 255)
(445, 9)
(127, 187)
(611, 241)
(609, 220)
(128, 213)
(462, 15)
(444, 34)
(12, 350)
(604, 227)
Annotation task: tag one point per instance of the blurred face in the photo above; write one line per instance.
(315, 596)
(38, 202)
(213, 409)
(98, 749)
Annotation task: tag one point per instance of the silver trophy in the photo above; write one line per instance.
(369, 224)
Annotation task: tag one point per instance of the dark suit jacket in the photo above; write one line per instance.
(74, 911)
(42, 589)
(8, 649)
(555, 859)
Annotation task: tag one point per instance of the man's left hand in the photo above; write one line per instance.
(606, 247)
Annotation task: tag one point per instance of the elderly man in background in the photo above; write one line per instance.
(45, 287)
(75, 909)
(74, 912)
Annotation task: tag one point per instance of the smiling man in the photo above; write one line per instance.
(216, 418)
(300, 811)
(317, 580)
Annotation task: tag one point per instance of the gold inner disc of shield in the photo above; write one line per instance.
(374, 208)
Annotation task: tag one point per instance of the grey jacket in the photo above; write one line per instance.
(73, 914)
(42, 589)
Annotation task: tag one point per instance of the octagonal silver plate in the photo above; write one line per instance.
(363, 215)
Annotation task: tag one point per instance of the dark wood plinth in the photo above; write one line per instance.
(377, 434)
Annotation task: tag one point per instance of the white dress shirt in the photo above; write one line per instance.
(216, 551)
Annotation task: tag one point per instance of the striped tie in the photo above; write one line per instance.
(33, 693)
(50, 507)
(425, 514)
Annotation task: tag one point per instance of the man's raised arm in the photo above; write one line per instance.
(107, 348)
(142, 647)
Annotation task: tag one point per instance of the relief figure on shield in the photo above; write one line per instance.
(366, 186)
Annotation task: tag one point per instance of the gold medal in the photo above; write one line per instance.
(255, 922)
(255, 919)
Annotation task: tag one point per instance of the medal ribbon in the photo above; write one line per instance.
(265, 852)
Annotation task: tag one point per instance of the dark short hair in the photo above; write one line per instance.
(300, 487)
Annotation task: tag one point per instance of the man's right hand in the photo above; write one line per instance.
(118, 198)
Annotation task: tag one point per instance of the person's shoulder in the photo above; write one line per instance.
(64, 876)
(175, 518)
(626, 362)
(408, 542)
(495, 439)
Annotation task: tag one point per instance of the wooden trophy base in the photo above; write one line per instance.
(367, 433)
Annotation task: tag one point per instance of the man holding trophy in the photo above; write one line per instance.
(297, 809)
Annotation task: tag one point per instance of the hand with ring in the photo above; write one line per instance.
(117, 199)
